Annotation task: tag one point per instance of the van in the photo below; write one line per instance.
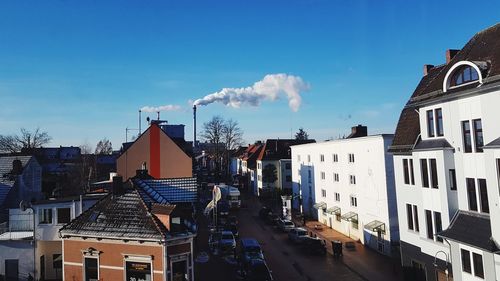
(249, 250)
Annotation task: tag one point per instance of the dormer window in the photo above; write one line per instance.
(464, 74)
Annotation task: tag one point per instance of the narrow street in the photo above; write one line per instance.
(285, 260)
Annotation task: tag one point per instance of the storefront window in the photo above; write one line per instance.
(138, 271)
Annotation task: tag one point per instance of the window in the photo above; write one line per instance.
(45, 216)
(351, 157)
(322, 158)
(308, 158)
(498, 175)
(483, 195)
(434, 176)
(412, 176)
(415, 214)
(471, 194)
(259, 166)
(439, 122)
(141, 270)
(338, 216)
(323, 193)
(63, 215)
(309, 176)
(352, 179)
(430, 123)
(288, 166)
(354, 201)
(336, 177)
(464, 74)
(337, 196)
(428, 220)
(288, 178)
(406, 171)
(259, 177)
(335, 157)
(298, 158)
(322, 175)
(466, 136)
(57, 261)
(425, 172)
(409, 216)
(91, 269)
(453, 179)
(438, 224)
(478, 135)
(477, 261)
(465, 261)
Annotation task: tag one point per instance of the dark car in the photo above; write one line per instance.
(249, 250)
(227, 244)
(264, 212)
(258, 271)
(313, 245)
(272, 219)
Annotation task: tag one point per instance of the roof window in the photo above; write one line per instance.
(464, 73)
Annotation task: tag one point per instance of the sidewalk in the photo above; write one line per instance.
(366, 262)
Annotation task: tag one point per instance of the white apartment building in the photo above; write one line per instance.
(446, 160)
(348, 184)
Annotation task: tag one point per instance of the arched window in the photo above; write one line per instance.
(464, 74)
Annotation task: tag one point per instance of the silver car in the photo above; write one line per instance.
(285, 225)
(296, 235)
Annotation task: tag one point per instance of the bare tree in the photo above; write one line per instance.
(232, 134)
(213, 132)
(27, 140)
(104, 146)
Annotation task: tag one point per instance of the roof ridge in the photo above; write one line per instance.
(153, 217)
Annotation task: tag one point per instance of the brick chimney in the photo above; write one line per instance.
(162, 212)
(17, 167)
(450, 53)
(117, 187)
(427, 68)
(358, 131)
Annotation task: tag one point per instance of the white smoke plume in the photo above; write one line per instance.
(168, 107)
(270, 88)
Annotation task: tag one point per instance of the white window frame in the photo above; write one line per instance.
(90, 254)
(137, 258)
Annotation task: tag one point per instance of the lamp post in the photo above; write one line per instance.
(447, 262)
(23, 205)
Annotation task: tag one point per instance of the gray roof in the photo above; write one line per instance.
(494, 144)
(6, 179)
(433, 144)
(117, 216)
(174, 190)
(471, 228)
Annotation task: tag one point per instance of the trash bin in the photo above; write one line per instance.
(337, 248)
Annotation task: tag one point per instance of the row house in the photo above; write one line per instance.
(143, 230)
(248, 167)
(447, 168)
(348, 185)
(276, 156)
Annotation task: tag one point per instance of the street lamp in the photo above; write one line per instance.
(23, 205)
(447, 262)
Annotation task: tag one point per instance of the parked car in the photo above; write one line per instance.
(313, 245)
(249, 250)
(258, 271)
(233, 228)
(296, 235)
(285, 225)
(227, 244)
(264, 212)
(272, 219)
(213, 241)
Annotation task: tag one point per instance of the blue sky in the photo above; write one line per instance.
(80, 70)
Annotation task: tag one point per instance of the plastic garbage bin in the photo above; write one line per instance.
(337, 248)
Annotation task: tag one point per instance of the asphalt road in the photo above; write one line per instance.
(285, 260)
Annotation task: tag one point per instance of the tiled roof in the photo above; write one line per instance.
(483, 47)
(174, 190)
(472, 229)
(6, 179)
(117, 216)
(433, 144)
(251, 155)
(276, 149)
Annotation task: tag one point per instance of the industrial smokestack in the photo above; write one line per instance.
(140, 122)
(194, 127)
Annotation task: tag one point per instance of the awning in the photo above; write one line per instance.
(319, 205)
(376, 226)
(350, 216)
(333, 210)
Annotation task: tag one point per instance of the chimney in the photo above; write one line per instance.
(17, 167)
(358, 131)
(450, 53)
(117, 185)
(194, 127)
(427, 68)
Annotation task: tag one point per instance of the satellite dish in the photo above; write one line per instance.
(23, 205)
